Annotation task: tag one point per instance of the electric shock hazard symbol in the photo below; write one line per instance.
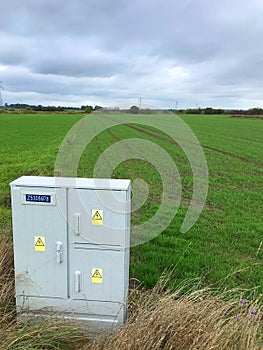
(97, 217)
(97, 276)
(40, 244)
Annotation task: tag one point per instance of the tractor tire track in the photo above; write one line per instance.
(225, 153)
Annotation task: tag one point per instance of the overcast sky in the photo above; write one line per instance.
(112, 52)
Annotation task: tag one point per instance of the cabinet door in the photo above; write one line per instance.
(94, 220)
(40, 241)
(97, 274)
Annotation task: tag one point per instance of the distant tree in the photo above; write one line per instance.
(209, 110)
(255, 111)
(134, 110)
(88, 109)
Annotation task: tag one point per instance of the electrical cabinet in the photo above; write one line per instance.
(71, 249)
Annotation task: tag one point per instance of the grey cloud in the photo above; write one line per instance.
(78, 67)
(188, 50)
(12, 50)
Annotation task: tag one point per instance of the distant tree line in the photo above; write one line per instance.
(133, 109)
(137, 110)
(210, 110)
(40, 108)
(252, 111)
(89, 109)
(206, 110)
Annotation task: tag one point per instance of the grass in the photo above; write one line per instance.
(200, 319)
(197, 320)
(228, 235)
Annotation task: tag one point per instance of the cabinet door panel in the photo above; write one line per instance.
(40, 241)
(92, 220)
(97, 274)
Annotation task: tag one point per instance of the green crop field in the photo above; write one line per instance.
(224, 248)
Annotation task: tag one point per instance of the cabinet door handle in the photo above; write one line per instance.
(59, 252)
(77, 281)
(76, 224)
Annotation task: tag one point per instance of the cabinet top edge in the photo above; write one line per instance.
(72, 182)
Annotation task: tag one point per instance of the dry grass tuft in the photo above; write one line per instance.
(158, 320)
(6, 277)
(48, 335)
(199, 320)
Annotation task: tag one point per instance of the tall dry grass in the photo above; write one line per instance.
(197, 320)
(6, 278)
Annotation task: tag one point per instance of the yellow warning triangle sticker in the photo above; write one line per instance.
(96, 274)
(39, 243)
(97, 216)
